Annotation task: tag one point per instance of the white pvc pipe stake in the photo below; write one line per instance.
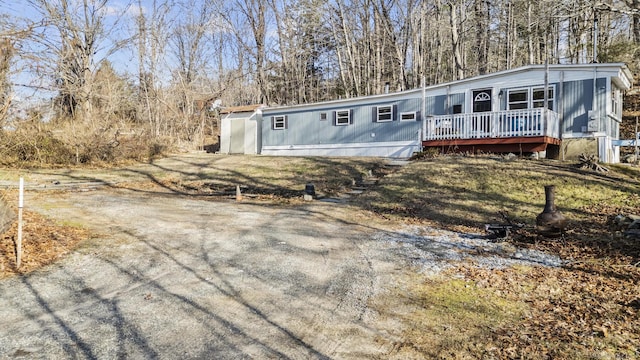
(19, 240)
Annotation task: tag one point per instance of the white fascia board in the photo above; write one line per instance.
(624, 80)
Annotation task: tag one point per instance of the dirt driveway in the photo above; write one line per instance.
(170, 276)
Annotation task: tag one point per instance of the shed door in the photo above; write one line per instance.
(236, 145)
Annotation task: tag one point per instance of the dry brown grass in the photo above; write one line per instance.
(589, 309)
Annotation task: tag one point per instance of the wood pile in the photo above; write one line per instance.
(590, 162)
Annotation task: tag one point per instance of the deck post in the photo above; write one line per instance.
(546, 98)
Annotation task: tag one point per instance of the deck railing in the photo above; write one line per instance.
(499, 124)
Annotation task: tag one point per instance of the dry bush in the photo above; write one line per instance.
(64, 142)
(31, 142)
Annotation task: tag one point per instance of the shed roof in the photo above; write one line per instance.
(241, 109)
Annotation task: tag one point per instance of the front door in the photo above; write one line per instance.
(482, 100)
(481, 104)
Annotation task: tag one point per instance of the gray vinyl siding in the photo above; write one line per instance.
(437, 105)
(456, 99)
(304, 127)
(577, 100)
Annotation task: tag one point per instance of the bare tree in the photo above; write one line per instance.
(482, 16)
(152, 32)
(72, 36)
(251, 14)
(189, 46)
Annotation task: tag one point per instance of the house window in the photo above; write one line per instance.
(518, 99)
(323, 116)
(385, 113)
(538, 98)
(343, 117)
(279, 122)
(408, 116)
(529, 98)
(616, 107)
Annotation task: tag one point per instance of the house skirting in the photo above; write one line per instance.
(599, 144)
(392, 149)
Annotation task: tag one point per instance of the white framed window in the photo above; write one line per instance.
(518, 99)
(616, 103)
(538, 97)
(384, 113)
(408, 116)
(343, 117)
(530, 98)
(279, 122)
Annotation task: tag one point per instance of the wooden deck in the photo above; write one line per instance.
(517, 131)
(497, 145)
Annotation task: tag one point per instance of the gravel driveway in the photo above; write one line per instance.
(175, 277)
(172, 277)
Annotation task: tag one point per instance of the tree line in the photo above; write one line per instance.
(100, 69)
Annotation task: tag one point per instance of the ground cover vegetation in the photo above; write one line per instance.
(588, 308)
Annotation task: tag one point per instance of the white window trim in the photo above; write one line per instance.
(530, 90)
(390, 113)
(483, 95)
(413, 113)
(279, 119)
(348, 117)
(615, 113)
(528, 101)
(553, 100)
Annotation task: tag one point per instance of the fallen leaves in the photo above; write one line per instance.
(43, 243)
(572, 312)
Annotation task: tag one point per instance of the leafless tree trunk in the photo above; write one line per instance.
(455, 41)
(482, 18)
(6, 56)
(152, 37)
(255, 15)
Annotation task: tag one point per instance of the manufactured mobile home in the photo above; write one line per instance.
(553, 109)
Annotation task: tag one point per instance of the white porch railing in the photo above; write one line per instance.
(500, 124)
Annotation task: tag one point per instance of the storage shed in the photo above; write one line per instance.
(239, 130)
